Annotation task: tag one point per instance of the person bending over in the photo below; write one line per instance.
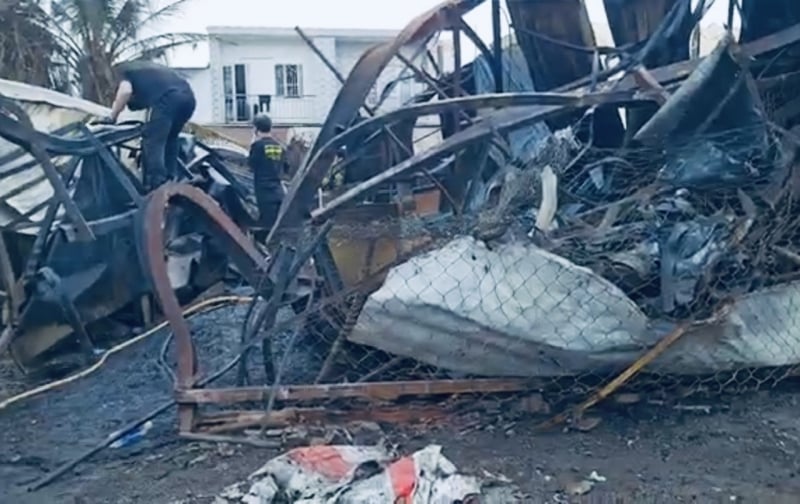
(171, 103)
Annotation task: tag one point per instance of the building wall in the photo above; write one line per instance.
(200, 80)
(261, 53)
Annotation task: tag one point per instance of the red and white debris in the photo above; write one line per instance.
(357, 474)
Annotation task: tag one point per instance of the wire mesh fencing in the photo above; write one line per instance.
(675, 263)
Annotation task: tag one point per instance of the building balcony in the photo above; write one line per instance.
(284, 111)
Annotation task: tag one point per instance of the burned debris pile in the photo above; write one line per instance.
(695, 213)
(579, 254)
(697, 210)
(635, 211)
(71, 200)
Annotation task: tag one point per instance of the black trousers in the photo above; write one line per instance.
(267, 215)
(160, 136)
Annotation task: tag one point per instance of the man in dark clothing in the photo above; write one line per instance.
(267, 160)
(146, 85)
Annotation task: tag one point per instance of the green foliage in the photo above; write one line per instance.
(26, 45)
(75, 43)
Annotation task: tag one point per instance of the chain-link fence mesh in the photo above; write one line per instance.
(574, 265)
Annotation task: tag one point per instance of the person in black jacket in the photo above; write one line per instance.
(267, 160)
(146, 85)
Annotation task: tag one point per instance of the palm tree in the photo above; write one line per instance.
(94, 35)
(26, 45)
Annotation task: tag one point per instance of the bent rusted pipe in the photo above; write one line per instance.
(242, 251)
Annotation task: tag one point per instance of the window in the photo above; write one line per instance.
(289, 81)
(234, 87)
(263, 105)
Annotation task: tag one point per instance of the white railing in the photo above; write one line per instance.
(301, 110)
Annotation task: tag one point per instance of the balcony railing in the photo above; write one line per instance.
(298, 110)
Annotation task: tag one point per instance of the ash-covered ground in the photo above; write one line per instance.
(746, 449)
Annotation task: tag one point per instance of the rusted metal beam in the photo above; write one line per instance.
(497, 47)
(151, 235)
(385, 391)
(232, 421)
(473, 37)
(116, 167)
(486, 101)
(46, 224)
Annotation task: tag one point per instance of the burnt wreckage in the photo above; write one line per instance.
(70, 203)
(575, 241)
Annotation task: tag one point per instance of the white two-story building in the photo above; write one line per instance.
(273, 70)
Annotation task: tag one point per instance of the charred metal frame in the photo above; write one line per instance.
(30, 284)
(497, 46)
(268, 275)
(255, 269)
(16, 127)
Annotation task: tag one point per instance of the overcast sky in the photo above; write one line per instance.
(199, 14)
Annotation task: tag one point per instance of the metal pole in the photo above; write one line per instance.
(731, 7)
(497, 49)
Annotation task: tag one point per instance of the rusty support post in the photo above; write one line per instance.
(457, 63)
(473, 37)
(385, 391)
(151, 236)
(497, 48)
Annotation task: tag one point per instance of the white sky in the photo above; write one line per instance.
(197, 15)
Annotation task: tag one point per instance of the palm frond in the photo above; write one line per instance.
(165, 12)
(25, 44)
(127, 20)
(73, 44)
(155, 46)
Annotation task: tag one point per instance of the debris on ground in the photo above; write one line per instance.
(357, 474)
(539, 242)
(589, 257)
